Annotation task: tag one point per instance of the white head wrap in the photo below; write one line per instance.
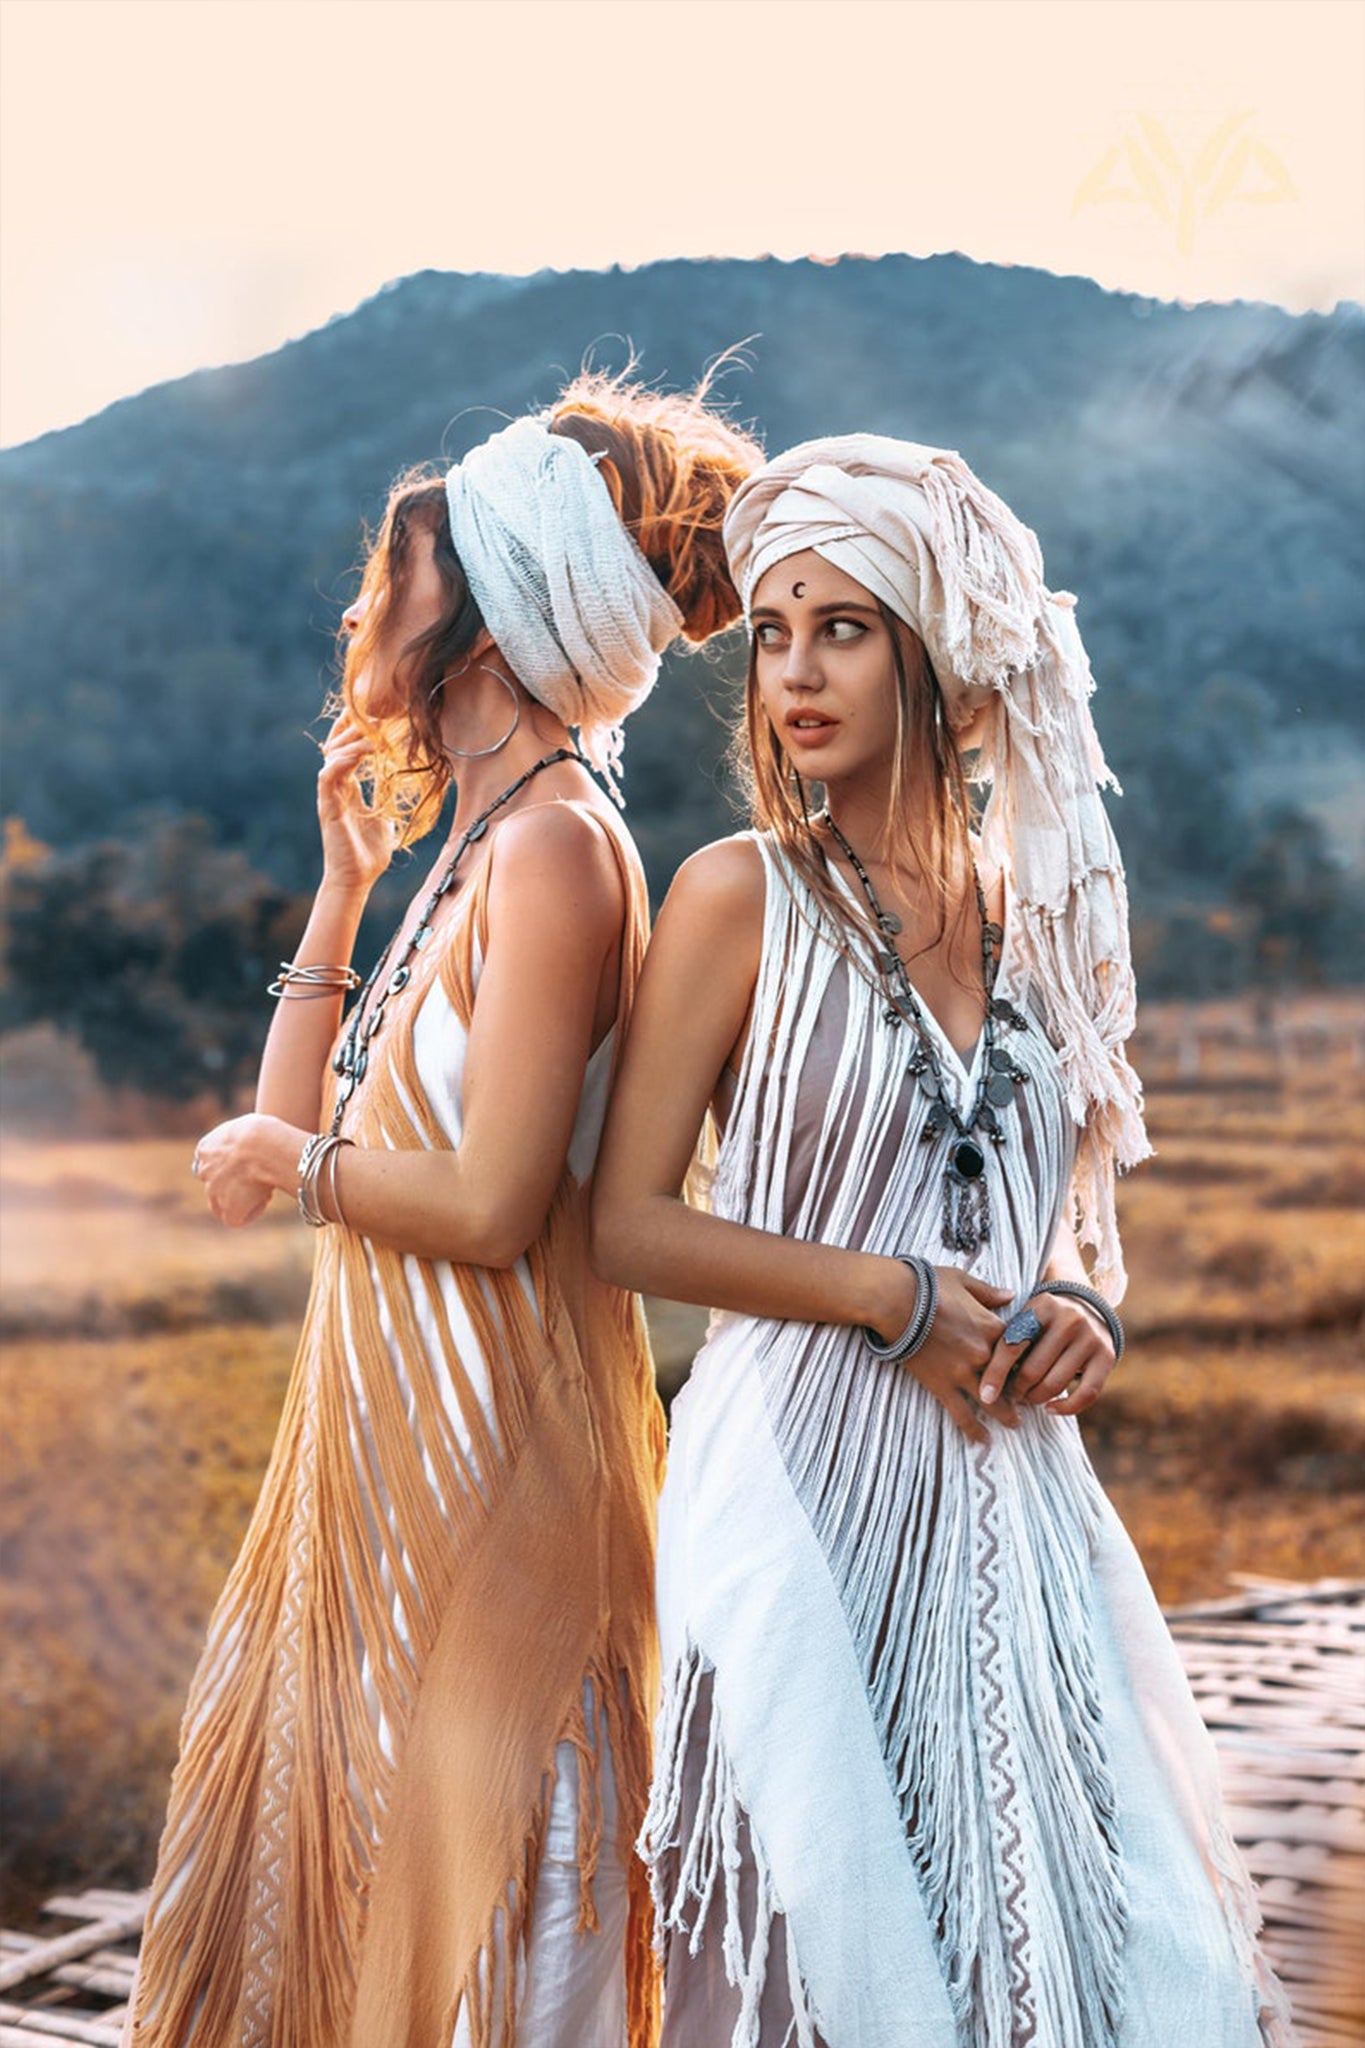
(915, 527)
(565, 592)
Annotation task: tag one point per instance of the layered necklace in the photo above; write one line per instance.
(352, 1056)
(966, 1196)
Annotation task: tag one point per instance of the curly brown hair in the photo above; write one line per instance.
(671, 462)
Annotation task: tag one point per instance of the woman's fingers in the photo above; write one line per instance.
(963, 1412)
(993, 1297)
(1038, 1360)
(1086, 1392)
(1005, 1359)
(339, 762)
(1063, 1372)
(1093, 1369)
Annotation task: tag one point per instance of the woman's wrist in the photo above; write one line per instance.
(275, 1152)
(347, 894)
(887, 1294)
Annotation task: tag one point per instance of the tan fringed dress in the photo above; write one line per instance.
(437, 1644)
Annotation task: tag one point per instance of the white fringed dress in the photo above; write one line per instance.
(928, 1771)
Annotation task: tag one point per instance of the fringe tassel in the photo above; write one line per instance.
(990, 567)
(707, 1866)
(1244, 1920)
(488, 1999)
(1045, 818)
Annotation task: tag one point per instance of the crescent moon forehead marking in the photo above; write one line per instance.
(798, 590)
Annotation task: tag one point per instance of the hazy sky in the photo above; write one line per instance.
(186, 182)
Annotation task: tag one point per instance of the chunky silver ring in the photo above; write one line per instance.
(194, 1166)
(1023, 1328)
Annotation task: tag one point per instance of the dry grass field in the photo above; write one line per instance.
(146, 1355)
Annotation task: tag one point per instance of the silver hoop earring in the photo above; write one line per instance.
(481, 753)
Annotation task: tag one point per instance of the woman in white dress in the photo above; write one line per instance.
(928, 1774)
(416, 1752)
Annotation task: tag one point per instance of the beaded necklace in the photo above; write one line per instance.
(966, 1197)
(352, 1056)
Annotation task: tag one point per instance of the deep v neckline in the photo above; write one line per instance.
(966, 1063)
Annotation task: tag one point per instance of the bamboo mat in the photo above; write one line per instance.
(1279, 1673)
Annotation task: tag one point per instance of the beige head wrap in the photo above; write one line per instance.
(915, 527)
(564, 590)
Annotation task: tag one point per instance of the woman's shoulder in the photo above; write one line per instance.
(711, 923)
(563, 851)
(725, 879)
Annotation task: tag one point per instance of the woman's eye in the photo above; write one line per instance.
(846, 629)
(767, 635)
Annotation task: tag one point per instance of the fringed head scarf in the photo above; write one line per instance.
(918, 530)
(564, 590)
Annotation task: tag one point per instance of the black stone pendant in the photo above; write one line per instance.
(968, 1159)
(966, 1200)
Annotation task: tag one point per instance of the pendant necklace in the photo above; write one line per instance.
(352, 1056)
(966, 1197)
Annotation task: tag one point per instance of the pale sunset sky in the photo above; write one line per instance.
(188, 182)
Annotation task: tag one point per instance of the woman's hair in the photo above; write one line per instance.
(671, 462)
(929, 806)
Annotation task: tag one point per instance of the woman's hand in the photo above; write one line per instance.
(963, 1340)
(357, 841)
(1064, 1369)
(240, 1164)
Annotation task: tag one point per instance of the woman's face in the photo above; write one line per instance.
(825, 668)
(392, 613)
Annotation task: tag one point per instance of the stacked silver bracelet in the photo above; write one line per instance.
(322, 979)
(916, 1332)
(1108, 1314)
(317, 1171)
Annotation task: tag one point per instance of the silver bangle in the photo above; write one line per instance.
(329, 1168)
(322, 979)
(916, 1332)
(1108, 1314)
(313, 1158)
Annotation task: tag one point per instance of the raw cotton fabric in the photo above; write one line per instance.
(441, 1622)
(928, 1770)
(564, 590)
(923, 534)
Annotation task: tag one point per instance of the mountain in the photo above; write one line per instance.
(174, 568)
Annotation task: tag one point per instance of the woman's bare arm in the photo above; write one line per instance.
(357, 845)
(690, 1008)
(556, 909)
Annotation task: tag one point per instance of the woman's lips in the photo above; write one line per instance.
(815, 735)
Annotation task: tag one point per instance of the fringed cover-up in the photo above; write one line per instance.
(928, 1771)
(447, 1580)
